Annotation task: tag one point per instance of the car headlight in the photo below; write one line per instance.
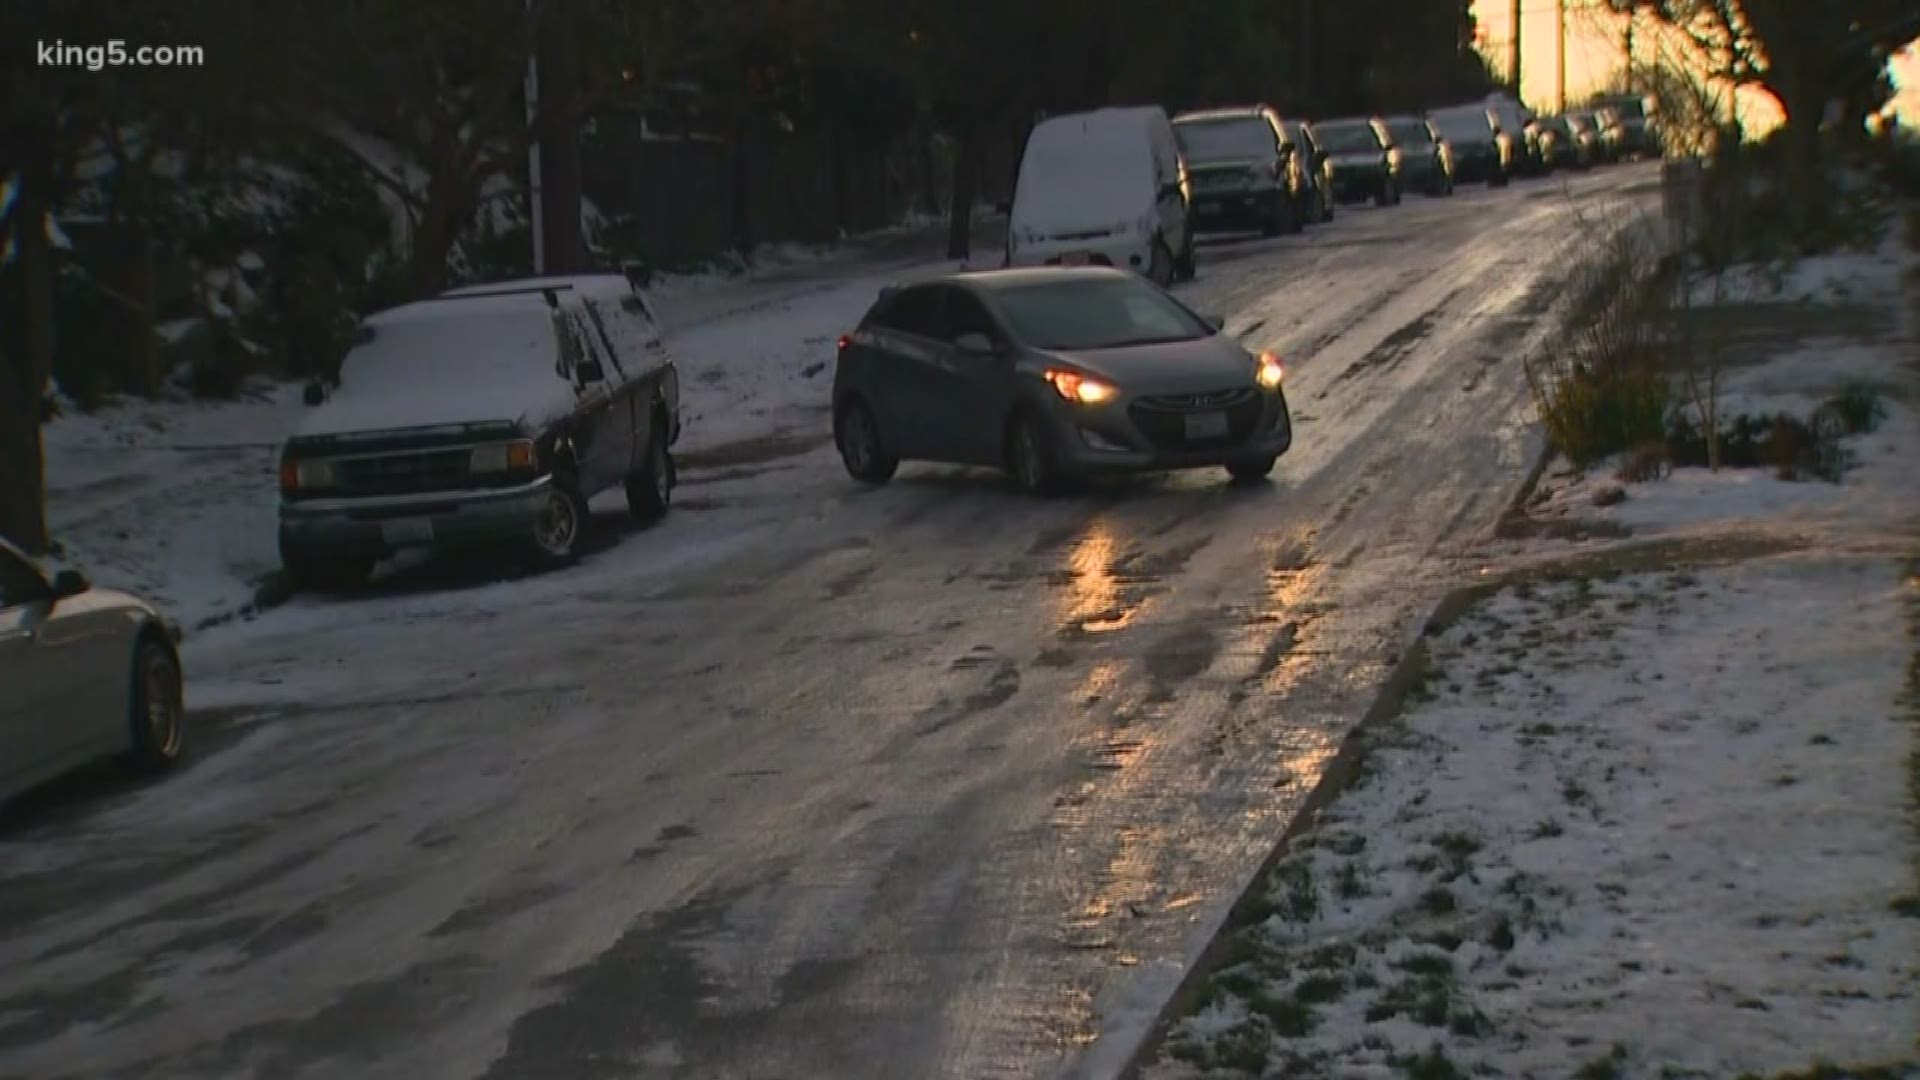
(304, 475)
(1080, 388)
(501, 457)
(1270, 371)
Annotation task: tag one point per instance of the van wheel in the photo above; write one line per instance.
(1186, 268)
(562, 522)
(1160, 264)
(650, 488)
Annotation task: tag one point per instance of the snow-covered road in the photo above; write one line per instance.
(809, 781)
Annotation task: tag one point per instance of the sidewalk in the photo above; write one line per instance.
(1651, 811)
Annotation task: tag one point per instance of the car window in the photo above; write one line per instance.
(1409, 133)
(594, 329)
(914, 311)
(1096, 313)
(1224, 140)
(1346, 137)
(19, 582)
(963, 314)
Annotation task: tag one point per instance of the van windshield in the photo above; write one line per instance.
(1091, 183)
(1225, 140)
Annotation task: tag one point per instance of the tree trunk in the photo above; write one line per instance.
(560, 169)
(127, 269)
(966, 176)
(25, 360)
(740, 201)
(450, 200)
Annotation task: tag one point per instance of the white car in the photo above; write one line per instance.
(84, 673)
(1103, 188)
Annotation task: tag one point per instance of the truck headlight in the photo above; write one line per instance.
(501, 457)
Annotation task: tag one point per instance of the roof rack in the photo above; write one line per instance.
(483, 293)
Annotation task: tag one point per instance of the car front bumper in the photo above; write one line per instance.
(1235, 207)
(1126, 437)
(1127, 251)
(381, 525)
(1358, 185)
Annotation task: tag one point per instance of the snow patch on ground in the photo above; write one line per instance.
(1660, 822)
(1843, 277)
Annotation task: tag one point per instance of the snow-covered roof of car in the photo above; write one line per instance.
(1241, 112)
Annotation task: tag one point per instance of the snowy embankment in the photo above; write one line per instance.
(1656, 826)
(1646, 824)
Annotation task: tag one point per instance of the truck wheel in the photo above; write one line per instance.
(555, 541)
(650, 487)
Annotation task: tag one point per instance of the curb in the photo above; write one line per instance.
(1408, 672)
(1511, 523)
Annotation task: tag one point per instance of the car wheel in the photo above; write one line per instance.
(862, 451)
(1251, 470)
(1326, 207)
(1385, 196)
(1397, 194)
(563, 521)
(1187, 267)
(1160, 264)
(1275, 221)
(650, 488)
(157, 713)
(1030, 456)
(325, 574)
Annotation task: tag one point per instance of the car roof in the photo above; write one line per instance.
(1236, 112)
(1345, 120)
(1016, 277)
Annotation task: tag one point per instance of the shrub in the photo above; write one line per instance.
(1648, 461)
(1591, 414)
(1792, 448)
(1855, 410)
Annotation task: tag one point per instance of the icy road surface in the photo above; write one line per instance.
(811, 781)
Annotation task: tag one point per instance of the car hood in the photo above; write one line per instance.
(1211, 363)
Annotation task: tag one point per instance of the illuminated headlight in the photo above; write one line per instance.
(1079, 388)
(1271, 372)
(501, 457)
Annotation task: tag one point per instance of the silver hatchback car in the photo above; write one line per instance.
(1052, 374)
(84, 672)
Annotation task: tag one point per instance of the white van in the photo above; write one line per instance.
(1103, 188)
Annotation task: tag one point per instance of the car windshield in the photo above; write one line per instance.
(1464, 125)
(1410, 133)
(1346, 137)
(1218, 140)
(1096, 313)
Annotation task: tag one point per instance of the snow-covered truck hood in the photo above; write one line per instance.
(441, 362)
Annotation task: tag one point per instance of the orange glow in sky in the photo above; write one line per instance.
(1596, 44)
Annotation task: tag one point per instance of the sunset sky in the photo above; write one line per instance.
(1595, 51)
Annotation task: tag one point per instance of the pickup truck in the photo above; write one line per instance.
(484, 416)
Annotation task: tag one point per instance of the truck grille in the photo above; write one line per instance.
(404, 474)
(1162, 417)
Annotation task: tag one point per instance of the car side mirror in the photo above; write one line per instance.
(1170, 190)
(314, 394)
(69, 583)
(976, 344)
(589, 371)
(1320, 158)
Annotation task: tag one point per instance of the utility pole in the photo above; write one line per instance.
(1633, 11)
(1560, 65)
(1308, 99)
(1513, 52)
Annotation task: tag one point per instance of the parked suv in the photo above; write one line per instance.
(1310, 162)
(1425, 164)
(1472, 138)
(484, 416)
(1358, 162)
(1243, 170)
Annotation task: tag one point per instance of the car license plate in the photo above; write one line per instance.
(1075, 258)
(407, 531)
(1207, 425)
